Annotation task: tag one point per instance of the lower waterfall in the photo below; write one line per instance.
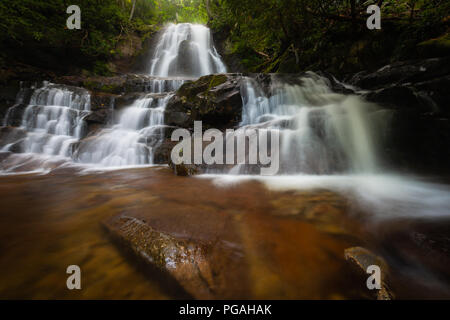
(321, 132)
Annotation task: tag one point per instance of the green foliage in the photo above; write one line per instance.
(319, 34)
(34, 31)
(193, 11)
(267, 35)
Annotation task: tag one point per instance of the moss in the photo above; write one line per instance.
(435, 47)
(203, 85)
(101, 68)
(99, 86)
(217, 80)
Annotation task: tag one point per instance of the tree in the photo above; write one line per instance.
(132, 10)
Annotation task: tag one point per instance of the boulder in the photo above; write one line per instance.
(216, 100)
(97, 119)
(398, 97)
(417, 94)
(402, 73)
(362, 259)
(215, 248)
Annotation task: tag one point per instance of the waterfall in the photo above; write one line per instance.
(186, 50)
(129, 142)
(53, 119)
(330, 141)
(321, 132)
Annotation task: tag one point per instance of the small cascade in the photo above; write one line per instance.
(186, 50)
(132, 140)
(321, 132)
(53, 119)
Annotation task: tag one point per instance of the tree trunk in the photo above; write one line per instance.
(132, 9)
(208, 10)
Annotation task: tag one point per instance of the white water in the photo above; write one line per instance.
(332, 141)
(140, 128)
(127, 143)
(186, 50)
(53, 120)
(321, 132)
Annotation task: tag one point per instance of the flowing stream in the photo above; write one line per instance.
(328, 141)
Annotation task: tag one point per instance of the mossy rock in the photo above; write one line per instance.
(100, 86)
(437, 47)
(213, 99)
(202, 85)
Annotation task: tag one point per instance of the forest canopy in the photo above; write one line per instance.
(264, 35)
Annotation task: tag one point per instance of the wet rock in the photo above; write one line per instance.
(126, 100)
(4, 155)
(423, 243)
(102, 101)
(215, 248)
(182, 259)
(184, 170)
(327, 210)
(398, 97)
(402, 73)
(216, 100)
(97, 119)
(416, 93)
(10, 135)
(435, 92)
(362, 259)
(7, 99)
(14, 115)
(334, 84)
(161, 153)
(122, 84)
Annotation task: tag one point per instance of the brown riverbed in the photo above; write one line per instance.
(273, 244)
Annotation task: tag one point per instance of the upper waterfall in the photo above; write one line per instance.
(186, 50)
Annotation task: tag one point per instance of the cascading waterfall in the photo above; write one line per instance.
(321, 132)
(130, 141)
(186, 50)
(53, 119)
(331, 141)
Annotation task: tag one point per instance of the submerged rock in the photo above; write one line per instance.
(234, 243)
(363, 259)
